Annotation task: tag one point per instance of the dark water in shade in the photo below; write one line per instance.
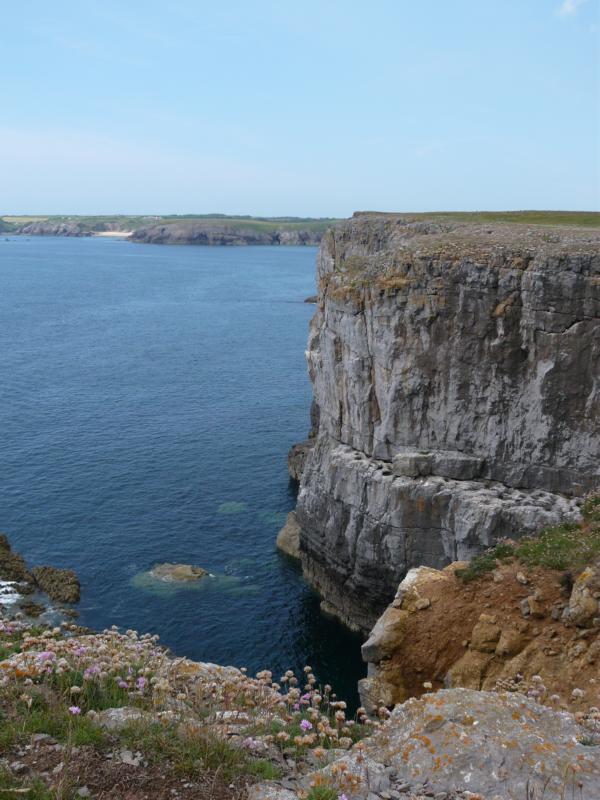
(148, 397)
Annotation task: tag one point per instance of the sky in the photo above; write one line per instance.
(309, 109)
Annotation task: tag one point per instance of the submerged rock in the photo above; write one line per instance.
(178, 573)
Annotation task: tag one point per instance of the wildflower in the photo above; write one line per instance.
(141, 683)
(122, 684)
(46, 655)
(75, 689)
(74, 710)
(306, 725)
(319, 752)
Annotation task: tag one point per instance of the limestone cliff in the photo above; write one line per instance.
(224, 234)
(455, 368)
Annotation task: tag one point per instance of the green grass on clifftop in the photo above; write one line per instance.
(580, 218)
(569, 546)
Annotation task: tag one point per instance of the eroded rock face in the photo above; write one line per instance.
(495, 631)
(454, 367)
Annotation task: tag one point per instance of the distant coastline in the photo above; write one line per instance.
(210, 229)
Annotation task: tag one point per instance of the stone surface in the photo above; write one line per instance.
(584, 605)
(115, 719)
(178, 573)
(61, 585)
(453, 367)
(493, 745)
(288, 538)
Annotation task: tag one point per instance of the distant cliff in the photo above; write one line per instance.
(225, 234)
(455, 369)
(209, 229)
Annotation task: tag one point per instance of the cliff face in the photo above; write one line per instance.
(223, 234)
(455, 368)
(53, 228)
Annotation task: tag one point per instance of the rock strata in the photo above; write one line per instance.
(222, 234)
(452, 365)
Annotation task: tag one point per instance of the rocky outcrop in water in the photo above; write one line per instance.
(17, 580)
(178, 573)
(455, 371)
(224, 234)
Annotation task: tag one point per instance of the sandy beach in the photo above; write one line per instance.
(114, 234)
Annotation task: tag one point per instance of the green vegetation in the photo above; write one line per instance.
(322, 793)
(190, 753)
(12, 787)
(569, 546)
(589, 219)
(129, 222)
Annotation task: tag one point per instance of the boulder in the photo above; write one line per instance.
(583, 606)
(482, 743)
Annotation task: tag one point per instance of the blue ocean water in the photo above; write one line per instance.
(149, 397)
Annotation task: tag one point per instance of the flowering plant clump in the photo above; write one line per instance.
(62, 680)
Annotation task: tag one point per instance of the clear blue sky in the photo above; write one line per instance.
(311, 108)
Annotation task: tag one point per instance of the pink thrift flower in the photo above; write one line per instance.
(306, 725)
(47, 655)
(74, 710)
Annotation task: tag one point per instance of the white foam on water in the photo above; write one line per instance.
(8, 593)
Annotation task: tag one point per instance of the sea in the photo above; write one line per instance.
(148, 398)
